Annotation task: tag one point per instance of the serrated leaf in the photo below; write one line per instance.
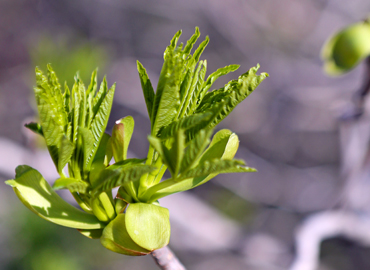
(72, 184)
(53, 132)
(34, 192)
(176, 153)
(148, 225)
(232, 94)
(214, 167)
(121, 136)
(190, 43)
(167, 98)
(98, 99)
(75, 112)
(115, 178)
(67, 98)
(56, 94)
(35, 127)
(198, 88)
(214, 111)
(100, 121)
(198, 52)
(217, 74)
(147, 87)
(123, 163)
(195, 149)
(65, 153)
(190, 91)
(88, 143)
(116, 238)
(184, 123)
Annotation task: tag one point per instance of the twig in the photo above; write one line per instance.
(166, 259)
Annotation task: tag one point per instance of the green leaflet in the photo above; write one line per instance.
(88, 144)
(190, 43)
(198, 90)
(115, 178)
(189, 92)
(73, 185)
(121, 136)
(198, 52)
(185, 123)
(116, 238)
(98, 99)
(100, 121)
(38, 196)
(195, 177)
(103, 151)
(148, 225)
(147, 87)
(65, 153)
(224, 145)
(166, 101)
(214, 166)
(233, 93)
(217, 74)
(175, 154)
(35, 127)
(53, 132)
(195, 149)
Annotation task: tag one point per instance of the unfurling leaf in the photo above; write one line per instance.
(148, 225)
(34, 192)
(116, 238)
(121, 136)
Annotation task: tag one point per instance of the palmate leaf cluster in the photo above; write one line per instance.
(183, 113)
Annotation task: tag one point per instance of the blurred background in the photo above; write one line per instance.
(288, 128)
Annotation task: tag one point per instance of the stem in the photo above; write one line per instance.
(166, 259)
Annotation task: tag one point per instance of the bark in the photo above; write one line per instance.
(166, 259)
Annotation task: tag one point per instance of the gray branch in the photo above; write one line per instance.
(166, 259)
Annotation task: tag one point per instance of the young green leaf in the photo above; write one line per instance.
(217, 74)
(224, 145)
(148, 225)
(198, 176)
(65, 153)
(116, 238)
(147, 87)
(190, 43)
(214, 166)
(232, 94)
(166, 102)
(176, 153)
(115, 178)
(34, 192)
(100, 121)
(35, 127)
(73, 185)
(121, 136)
(195, 149)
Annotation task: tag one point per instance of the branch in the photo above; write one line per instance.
(166, 259)
(322, 226)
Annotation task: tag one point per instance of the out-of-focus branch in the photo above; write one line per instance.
(325, 225)
(166, 259)
(355, 137)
